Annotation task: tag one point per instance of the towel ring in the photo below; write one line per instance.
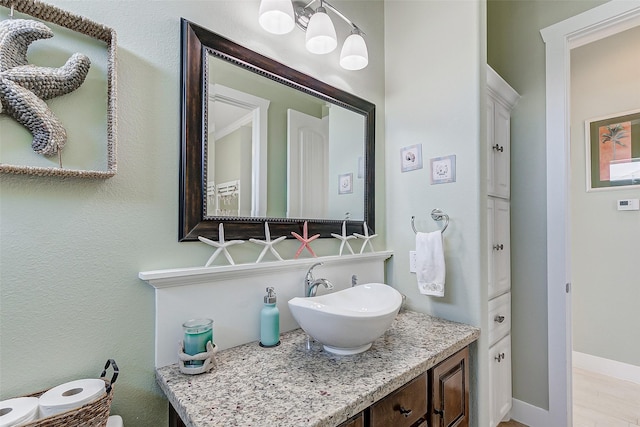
(436, 215)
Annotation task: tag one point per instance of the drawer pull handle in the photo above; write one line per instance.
(498, 247)
(498, 148)
(499, 319)
(405, 412)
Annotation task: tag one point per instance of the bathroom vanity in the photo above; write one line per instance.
(416, 374)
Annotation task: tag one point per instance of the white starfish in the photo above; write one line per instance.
(221, 245)
(344, 238)
(366, 238)
(268, 244)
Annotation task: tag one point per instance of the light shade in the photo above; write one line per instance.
(321, 35)
(354, 54)
(276, 16)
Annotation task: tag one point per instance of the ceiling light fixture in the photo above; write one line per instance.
(280, 16)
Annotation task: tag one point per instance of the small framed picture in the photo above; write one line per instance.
(345, 183)
(411, 158)
(613, 151)
(443, 169)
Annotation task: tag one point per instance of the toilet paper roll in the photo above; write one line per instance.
(70, 395)
(19, 410)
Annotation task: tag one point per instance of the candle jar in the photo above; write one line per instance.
(197, 332)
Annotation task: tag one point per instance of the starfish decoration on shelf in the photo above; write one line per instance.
(366, 238)
(344, 238)
(305, 239)
(268, 243)
(24, 87)
(221, 245)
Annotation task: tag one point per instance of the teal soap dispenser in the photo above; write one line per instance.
(270, 321)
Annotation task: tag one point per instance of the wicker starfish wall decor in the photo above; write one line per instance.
(24, 87)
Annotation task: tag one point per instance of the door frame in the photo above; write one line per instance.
(595, 24)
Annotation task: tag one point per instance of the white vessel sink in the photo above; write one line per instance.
(348, 321)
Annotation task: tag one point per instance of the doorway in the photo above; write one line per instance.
(604, 117)
(595, 24)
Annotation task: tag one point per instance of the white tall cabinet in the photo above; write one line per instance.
(501, 100)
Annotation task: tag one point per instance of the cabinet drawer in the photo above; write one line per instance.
(499, 317)
(403, 407)
(356, 421)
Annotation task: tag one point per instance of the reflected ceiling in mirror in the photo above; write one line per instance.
(263, 142)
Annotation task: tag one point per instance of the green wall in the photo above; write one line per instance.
(433, 98)
(516, 51)
(71, 249)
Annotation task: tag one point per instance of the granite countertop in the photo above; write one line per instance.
(291, 386)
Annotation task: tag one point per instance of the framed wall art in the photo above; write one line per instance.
(411, 158)
(57, 92)
(443, 169)
(613, 151)
(345, 183)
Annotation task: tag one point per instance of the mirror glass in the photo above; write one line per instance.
(262, 142)
(274, 151)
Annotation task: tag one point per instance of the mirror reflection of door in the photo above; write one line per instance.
(307, 165)
(236, 153)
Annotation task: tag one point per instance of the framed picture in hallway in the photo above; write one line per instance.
(613, 151)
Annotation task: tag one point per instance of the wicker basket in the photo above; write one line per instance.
(93, 414)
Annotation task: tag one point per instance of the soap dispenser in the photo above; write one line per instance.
(269, 321)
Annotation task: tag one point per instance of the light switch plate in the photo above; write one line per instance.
(412, 261)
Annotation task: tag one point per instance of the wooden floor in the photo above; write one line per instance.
(601, 401)
(511, 424)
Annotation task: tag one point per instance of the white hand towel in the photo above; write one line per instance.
(430, 269)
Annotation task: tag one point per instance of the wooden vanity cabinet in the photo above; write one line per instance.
(437, 398)
(174, 418)
(450, 391)
(357, 421)
(402, 408)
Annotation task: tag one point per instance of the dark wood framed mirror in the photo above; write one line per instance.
(200, 49)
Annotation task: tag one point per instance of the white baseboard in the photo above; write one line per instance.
(528, 414)
(608, 367)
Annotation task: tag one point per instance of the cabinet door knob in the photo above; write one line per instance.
(498, 247)
(499, 319)
(405, 412)
(438, 412)
(498, 148)
(499, 357)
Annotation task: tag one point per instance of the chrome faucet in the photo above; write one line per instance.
(311, 284)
